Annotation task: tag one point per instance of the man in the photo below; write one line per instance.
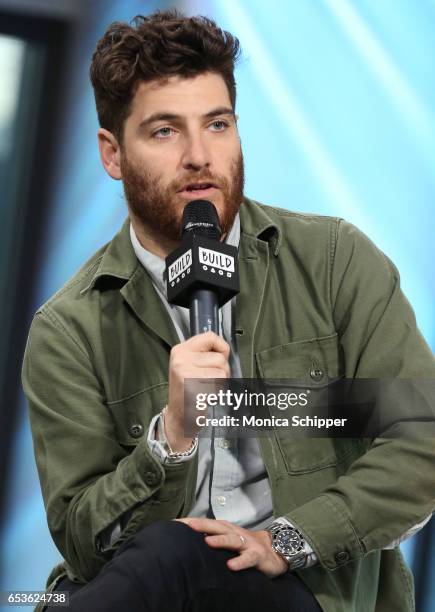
(107, 357)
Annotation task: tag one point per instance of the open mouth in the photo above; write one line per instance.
(198, 187)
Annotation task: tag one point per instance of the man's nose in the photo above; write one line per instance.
(196, 153)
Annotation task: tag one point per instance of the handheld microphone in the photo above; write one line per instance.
(202, 273)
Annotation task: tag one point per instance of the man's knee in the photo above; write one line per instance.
(168, 543)
(171, 534)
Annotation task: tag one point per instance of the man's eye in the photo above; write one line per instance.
(219, 126)
(163, 132)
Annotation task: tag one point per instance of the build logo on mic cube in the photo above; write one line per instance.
(201, 263)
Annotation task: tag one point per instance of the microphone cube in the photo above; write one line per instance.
(201, 263)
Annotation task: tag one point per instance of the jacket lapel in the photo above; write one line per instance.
(120, 266)
(253, 268)
(140, 295)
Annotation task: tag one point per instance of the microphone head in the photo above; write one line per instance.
(200, 217)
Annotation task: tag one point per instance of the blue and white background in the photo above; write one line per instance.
(337, 116)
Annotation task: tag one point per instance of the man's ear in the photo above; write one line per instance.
(110, 153)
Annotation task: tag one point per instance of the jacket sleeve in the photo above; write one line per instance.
(88, 479)
(391, 487)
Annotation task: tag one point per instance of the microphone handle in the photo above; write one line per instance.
(204, 316)
(204, 311)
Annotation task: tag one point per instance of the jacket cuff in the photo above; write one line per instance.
(144, 477)
(332, 538)
(149, 476)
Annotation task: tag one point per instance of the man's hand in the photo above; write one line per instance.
(202, 356)
(254, 547)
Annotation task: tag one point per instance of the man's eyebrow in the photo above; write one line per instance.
(158, 117)
(221, 110)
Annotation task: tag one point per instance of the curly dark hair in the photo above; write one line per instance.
(157, 46)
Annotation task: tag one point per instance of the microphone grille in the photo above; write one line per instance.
(200, 216)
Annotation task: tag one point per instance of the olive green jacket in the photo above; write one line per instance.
(316, 297)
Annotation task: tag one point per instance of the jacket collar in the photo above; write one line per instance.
(256, 222)
(119, 259)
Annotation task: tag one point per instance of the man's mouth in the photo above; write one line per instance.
(197, 186)
(194, 189)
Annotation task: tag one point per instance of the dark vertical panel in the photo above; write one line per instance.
(424, 568)
(29, 181)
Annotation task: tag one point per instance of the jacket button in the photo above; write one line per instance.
(342, 556)
(316, 374)
(136, 430)
(151, 478)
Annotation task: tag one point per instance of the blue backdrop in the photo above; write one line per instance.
(335, 100)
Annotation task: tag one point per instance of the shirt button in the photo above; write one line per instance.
(221, 500)
(342, 556)
(316, 374)
(151, 478)
(136, 430)
(225, 444)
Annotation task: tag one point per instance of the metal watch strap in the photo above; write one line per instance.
(297, 560)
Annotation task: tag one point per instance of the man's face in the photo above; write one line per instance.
(180, 144)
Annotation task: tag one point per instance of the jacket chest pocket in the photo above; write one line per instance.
(312, 365)
(132, 415)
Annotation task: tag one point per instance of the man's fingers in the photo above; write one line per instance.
(223, 534)
(208, 341)
(210, 359)
(229, 541)
(248, 558)
(205, 525)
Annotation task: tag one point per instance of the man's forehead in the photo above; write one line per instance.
(181, 95)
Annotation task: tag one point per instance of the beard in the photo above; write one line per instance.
(159, 208)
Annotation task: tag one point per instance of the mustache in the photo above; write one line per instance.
(219, 181)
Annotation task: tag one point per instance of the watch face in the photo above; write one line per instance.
(288, 541)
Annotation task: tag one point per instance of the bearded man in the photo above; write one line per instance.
(130, 501)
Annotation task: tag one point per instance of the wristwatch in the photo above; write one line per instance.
(289, 543)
